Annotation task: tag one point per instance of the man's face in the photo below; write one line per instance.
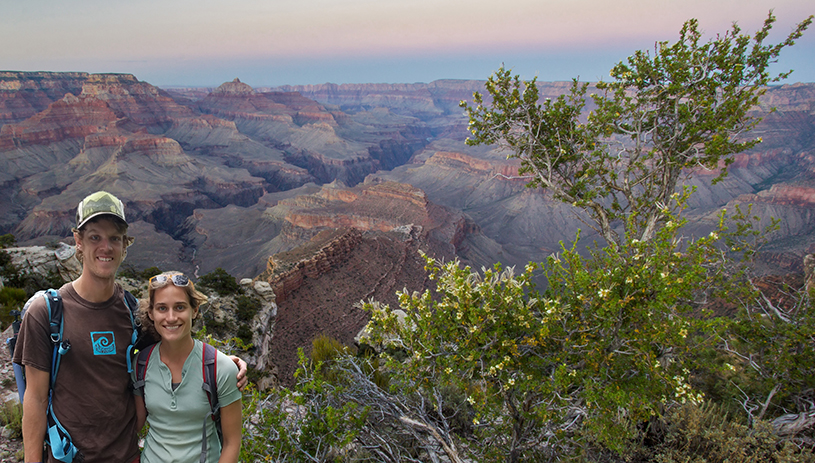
(102, 246)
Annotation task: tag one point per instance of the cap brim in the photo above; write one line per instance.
(97, 214)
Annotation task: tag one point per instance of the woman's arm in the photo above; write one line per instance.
(141, 412)
(231, 426)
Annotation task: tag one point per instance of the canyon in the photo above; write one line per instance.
(328, 192)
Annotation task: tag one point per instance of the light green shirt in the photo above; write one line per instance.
(176, 417)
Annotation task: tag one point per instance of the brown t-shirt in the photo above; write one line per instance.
(92, 397)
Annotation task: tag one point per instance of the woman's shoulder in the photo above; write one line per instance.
(224, 362)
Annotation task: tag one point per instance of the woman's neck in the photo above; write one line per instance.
(177, 350)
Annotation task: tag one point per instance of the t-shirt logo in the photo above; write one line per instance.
(103, 342)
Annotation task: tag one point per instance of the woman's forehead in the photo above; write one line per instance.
(170, 293)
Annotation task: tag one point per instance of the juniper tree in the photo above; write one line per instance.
(682, 106)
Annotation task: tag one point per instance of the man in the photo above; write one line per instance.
(92, 398)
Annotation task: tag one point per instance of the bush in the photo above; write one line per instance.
(246, 309)
(217, 328)
(707, 434)
(11, 416)
(11, 299)
(220, 281)
(8, 240)
(149, 272)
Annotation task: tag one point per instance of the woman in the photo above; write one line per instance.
(172, 399)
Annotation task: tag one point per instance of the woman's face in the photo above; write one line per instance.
(172, 313)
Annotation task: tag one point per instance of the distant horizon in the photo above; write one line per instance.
(204, 43)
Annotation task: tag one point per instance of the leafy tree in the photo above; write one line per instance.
(684, 107)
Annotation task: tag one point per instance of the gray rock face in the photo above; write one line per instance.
(44, 261)
(263, 323)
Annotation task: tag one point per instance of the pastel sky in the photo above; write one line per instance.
(277, 42)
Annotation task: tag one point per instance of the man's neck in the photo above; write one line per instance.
(94, 289)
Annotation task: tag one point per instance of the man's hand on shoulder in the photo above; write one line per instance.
(242, 379)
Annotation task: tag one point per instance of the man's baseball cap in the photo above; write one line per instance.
(99, 203)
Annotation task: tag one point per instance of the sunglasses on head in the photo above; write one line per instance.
(178, 279)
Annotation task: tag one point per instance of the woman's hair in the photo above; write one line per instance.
(121, 227)
(195, 298)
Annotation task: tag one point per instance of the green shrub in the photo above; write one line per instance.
(8, 240)
(244, 333)
(11, 416)
(708, 434)
(220, 281)
(11, 299)
(215, 327)
(247, 307)
(147, 273)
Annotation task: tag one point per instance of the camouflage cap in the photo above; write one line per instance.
(99, 203)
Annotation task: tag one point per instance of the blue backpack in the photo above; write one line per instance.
(57, 438)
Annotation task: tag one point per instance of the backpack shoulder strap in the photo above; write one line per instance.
(209, 369)
(133, 307)
(141, 367)
(57, 437)
(53, 301)
(132, 303)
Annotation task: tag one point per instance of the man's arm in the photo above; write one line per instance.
(242, 379)
(35, 406)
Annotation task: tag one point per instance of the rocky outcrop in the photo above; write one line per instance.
(506, 169)
(263, 324)
(24, 94)
(286, 277)
(46, 261)
(236, 87)
(324, 280)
